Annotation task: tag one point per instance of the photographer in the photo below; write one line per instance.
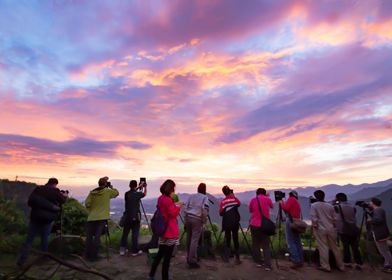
(45, 203)
(196, 213)
(292, 209)
(228, 209)
(323, 219)
(347, 230)
(132, 216)
(259, 238)
(378, 221)
(98, 206)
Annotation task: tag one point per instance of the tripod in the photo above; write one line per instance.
(107, 239)
(368, 235)
(278, 223)
(145, 216)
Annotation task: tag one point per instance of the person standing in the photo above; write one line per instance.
(45, 202)
(260, 239)
(196, 212)
(292, 209)
(169, 239)
(322, 215)
(228, 209)
(378, 221)
(98, 207)
(132, 217)
(345, 214)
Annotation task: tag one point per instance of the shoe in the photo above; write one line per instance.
(193, 265)
(123, 251)
(137, 254)
(259, 265)
(387, 269)
(296, 265)
(323, 269)
(358, 267)
(267, 268)
(348, 265)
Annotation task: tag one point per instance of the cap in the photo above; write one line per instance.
(294, 193)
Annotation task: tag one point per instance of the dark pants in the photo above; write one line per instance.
(232, 232)
(262, 240)
(93, 238)
(43, 230)
(135, 227)
(352, 242)
(164, 252)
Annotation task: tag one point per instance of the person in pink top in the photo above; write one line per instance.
(260, 239)
(170, 212)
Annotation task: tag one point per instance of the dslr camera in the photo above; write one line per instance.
(108, 185)
(279, 195)
(363, 204)
(312, 199)
(64, 191)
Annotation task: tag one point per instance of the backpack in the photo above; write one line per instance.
(158, 223)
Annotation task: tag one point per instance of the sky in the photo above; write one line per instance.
(245, 93)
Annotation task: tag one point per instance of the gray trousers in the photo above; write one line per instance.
(194, 228)
(383, 248)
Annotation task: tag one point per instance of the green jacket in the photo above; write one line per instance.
(98, 203)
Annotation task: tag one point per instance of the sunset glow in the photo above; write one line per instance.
(245, 93)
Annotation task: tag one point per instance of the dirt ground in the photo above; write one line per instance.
(129, 267)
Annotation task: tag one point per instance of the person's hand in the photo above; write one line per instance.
(180, 204)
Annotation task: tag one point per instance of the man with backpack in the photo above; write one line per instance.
(45, 202)
(347, 230)
(132, 216)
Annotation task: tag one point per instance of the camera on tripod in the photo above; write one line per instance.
(108, 185)
(363, 204)
(64, 191)
(279, 195)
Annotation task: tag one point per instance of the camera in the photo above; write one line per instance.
(108, 185)
(312, 199)
(64, 191)
(279, 195)
(362, 204)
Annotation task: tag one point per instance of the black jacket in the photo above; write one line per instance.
(379, 224)
(45, 204)
(132, 205)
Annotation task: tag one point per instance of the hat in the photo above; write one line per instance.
(226, 189)
(294, 193)
(102, 181)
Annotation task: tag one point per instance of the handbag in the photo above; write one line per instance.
(298, 225)
(349, 229)
(267, 226)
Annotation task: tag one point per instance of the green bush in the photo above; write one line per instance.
(11, 218)
(74, 216)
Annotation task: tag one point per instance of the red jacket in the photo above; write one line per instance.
(170, 212)
(292, 207)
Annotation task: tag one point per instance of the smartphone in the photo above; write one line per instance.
(142, 180)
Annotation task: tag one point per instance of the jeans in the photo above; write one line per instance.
(383, 248)
(135, 227)
(294, 243)
(93, 238)
(262, 240)
(35, 229)
(164, 252)
(352, 242)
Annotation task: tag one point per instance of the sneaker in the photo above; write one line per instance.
(323, 269)
(387, 269)
(267, 268)
(259, 265)
(137, 254)
(123, 251)
(193, 265)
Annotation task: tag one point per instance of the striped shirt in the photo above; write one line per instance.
(228, 203)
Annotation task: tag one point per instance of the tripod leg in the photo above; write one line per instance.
(145, 216)
(246, 240)
(275, 255)
(213, 231)
(107, 240)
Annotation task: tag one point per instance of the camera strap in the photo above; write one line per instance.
(258, 203)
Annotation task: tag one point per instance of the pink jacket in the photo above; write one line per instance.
(170, 212)
(265, 205)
